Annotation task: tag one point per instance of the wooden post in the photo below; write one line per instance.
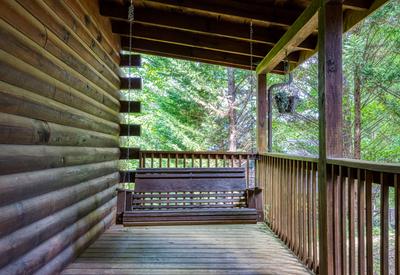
(269, 120)
(330, 124)
(255, 201)
(261, 112)
(121, 201)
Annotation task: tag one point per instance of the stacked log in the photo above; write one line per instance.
(59, 132)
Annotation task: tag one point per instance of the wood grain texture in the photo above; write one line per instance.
(24, 158)
(59, 131)
(190, 180)
(330, 77)
(262, 113)
(27, 131)
(190, 195)
(200, 249)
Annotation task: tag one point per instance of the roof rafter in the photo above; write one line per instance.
(244, 10)
(213, 26)
(189, 39)
(218, 32)
(194, 54)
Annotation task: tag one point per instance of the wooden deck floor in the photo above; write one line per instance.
(196, 249)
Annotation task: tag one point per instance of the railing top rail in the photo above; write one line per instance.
(198, 152)
(291, 157)
(393, 168)
(351, 163)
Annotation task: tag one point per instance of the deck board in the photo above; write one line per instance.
(196, 249)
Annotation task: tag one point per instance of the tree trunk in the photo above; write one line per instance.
(357, 114)
(232, 146)
(347, 123)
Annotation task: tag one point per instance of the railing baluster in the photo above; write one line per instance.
(397, 224)
(273, 210)
(361, 222)
(284, 202)
(314, 217)
(275, 192)
(248, 171)
(293, 199)
(352, 238)
(305, 243)
(168, 160)
(280, 199)
(369, 222)
(337, 218)
(297, 221)
(384, 224)
(309, 218)
(289, 201)
(152, 160)
(301, 208)
(343, 220)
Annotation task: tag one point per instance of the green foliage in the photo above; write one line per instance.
(185, 104)
(370, 54)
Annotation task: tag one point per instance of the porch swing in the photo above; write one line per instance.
(170, 196)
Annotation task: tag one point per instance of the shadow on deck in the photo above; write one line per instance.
(200, 249)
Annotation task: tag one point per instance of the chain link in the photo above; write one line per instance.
(131, 17)
(251, 81)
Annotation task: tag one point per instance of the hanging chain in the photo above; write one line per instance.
(286, 63)
(251, 45)
(286, 68)
(251, 80)
(131, 17)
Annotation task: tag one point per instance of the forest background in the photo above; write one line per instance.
(194, 106)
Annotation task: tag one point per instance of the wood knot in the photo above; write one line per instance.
(331, 66)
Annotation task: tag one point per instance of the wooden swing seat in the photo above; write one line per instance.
(170, 196)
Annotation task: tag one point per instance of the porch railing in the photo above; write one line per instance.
(364, 193)
(206, 159)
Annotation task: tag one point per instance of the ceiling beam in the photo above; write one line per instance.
(269, 14)
(189, 39)
(212, 26)
(193, 54)
(302, 28)
(360, 5)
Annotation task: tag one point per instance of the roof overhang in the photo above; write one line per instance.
(219, 32)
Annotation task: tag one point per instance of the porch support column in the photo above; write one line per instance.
(330, 28)
(269, 116)
(261, 113)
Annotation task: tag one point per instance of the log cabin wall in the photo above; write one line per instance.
(59, 106)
